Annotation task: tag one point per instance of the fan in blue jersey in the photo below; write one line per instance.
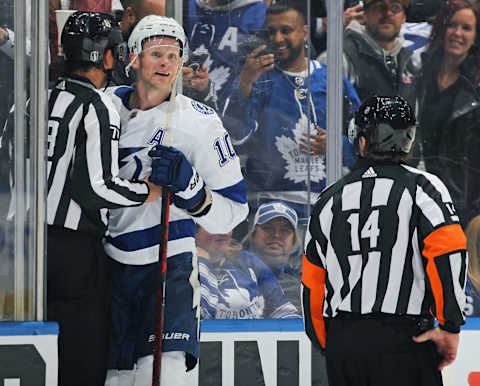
(192, 156)
(274, 239)
(236, 284)
(221, 28)
(270, 110)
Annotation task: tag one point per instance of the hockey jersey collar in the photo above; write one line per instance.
(124, 93)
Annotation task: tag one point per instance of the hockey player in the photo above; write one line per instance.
(203, 173)
(83, 182)
(385, 255)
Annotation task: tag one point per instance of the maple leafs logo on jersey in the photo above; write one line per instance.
(219, 77)
(296, 161)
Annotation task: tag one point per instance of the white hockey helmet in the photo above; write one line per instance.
(152, 26)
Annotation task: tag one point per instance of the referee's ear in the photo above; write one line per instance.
(362, 143)
(108, 60)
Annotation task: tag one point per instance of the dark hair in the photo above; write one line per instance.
(441, 21)
(282, 6)
(71, 66)
(389, 156)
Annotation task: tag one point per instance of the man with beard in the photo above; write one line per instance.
(270, 110)
(374, 60)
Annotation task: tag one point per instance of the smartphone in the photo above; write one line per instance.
(196, 60)
(256, 39)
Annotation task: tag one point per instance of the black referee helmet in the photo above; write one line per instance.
(387, 123)
(87, 35)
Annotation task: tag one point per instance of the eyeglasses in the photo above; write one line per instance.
(384, 8)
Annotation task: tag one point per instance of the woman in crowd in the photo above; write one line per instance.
(450, 104)
(236, 284)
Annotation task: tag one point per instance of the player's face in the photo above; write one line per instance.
(384, 19)
(274, 240)
(287, 33)
(158, 64)
(460, 33)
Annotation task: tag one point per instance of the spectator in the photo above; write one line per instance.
(472, 290)
(222, 28)
(275, 241)
(374, 59)
(319, 24)
(450, 104)
(196, 83)
(268, 110)
(135, 10)
(235, 283)
(203, 190)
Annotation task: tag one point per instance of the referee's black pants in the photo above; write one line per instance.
(78, 298)
(377, 350)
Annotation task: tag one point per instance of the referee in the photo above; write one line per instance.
(384, 256)
(83, 133)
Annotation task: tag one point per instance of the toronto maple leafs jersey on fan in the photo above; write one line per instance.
(222, 32)
(268, 126)
(197, 131)
(241, 287)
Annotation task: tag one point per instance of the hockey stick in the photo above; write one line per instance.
(160, 295)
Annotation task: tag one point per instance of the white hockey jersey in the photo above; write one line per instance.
(197, 131)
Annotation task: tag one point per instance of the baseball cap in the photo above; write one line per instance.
(271, 210)
(367, 3)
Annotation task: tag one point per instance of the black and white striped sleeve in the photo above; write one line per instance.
(94, 174)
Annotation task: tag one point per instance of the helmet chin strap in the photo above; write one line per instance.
(109, 77)
(173, 94)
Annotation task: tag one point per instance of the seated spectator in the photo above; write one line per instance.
(270, 110)
(374, 59)
(450, 104)
(235, 284)
(472, 289)
(222, 28)
(274, 239)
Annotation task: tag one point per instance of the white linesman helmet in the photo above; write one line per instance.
(152, 26)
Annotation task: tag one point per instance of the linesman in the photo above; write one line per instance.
(384, 256)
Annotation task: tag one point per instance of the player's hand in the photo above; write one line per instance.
(171, 169)
(446, 343)
(253, 67)
(318, 142)
(197, 80)
(155, 191)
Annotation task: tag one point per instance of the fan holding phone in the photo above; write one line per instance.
(196, 81)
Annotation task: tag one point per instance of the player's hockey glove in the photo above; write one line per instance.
(170, 168)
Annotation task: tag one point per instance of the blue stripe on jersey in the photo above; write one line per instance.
(122, 93)
(125, 152)
(237, 192)
(150, 237)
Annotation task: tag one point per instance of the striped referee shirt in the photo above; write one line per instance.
(384, 239)
(83, 134)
